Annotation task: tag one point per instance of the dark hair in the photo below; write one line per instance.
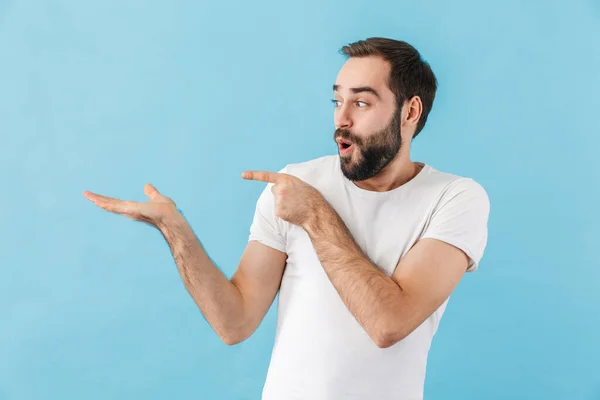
(410, 75)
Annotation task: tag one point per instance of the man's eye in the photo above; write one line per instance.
(361, 104)
(336, 102)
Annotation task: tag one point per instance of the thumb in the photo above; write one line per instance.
(151, 192)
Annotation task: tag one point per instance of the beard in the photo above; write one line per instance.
(373, 153)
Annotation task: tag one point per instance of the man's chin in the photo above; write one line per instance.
(349, 167)
(347, 162)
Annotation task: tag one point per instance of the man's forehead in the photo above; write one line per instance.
(363, 72)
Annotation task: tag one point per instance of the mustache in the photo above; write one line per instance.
(346, 134)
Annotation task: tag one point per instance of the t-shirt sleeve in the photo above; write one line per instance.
(266, 227)
(461, 219)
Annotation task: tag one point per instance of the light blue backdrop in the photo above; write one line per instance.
(109, 95)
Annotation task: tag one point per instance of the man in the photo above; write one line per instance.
(365, 246)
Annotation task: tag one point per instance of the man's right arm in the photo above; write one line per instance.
(234, 308)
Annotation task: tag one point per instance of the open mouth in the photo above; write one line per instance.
(344, 143)
(345, 146)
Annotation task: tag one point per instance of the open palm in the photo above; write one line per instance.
(152, 212)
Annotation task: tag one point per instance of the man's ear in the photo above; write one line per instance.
(411, 114)
(414, 109)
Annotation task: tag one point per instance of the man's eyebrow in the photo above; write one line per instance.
(359, 90)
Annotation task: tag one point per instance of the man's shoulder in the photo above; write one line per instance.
(450, 180)
(448, 185)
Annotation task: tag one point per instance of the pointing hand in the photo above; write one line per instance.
(295, 201)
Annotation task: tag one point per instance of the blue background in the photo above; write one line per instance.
(109, 95)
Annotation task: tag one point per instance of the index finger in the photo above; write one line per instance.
(263, 176)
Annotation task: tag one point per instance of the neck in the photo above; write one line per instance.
(398, 172)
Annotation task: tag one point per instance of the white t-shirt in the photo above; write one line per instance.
(320, 350)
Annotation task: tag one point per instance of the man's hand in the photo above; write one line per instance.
(295, 201)
(153, 212)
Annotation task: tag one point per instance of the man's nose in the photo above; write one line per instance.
(342, 118)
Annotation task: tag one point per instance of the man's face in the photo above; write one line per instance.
(366, 118)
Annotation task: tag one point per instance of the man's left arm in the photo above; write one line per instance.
(390, 308)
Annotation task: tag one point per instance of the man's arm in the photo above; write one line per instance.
(388, 308)
(235, 308)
